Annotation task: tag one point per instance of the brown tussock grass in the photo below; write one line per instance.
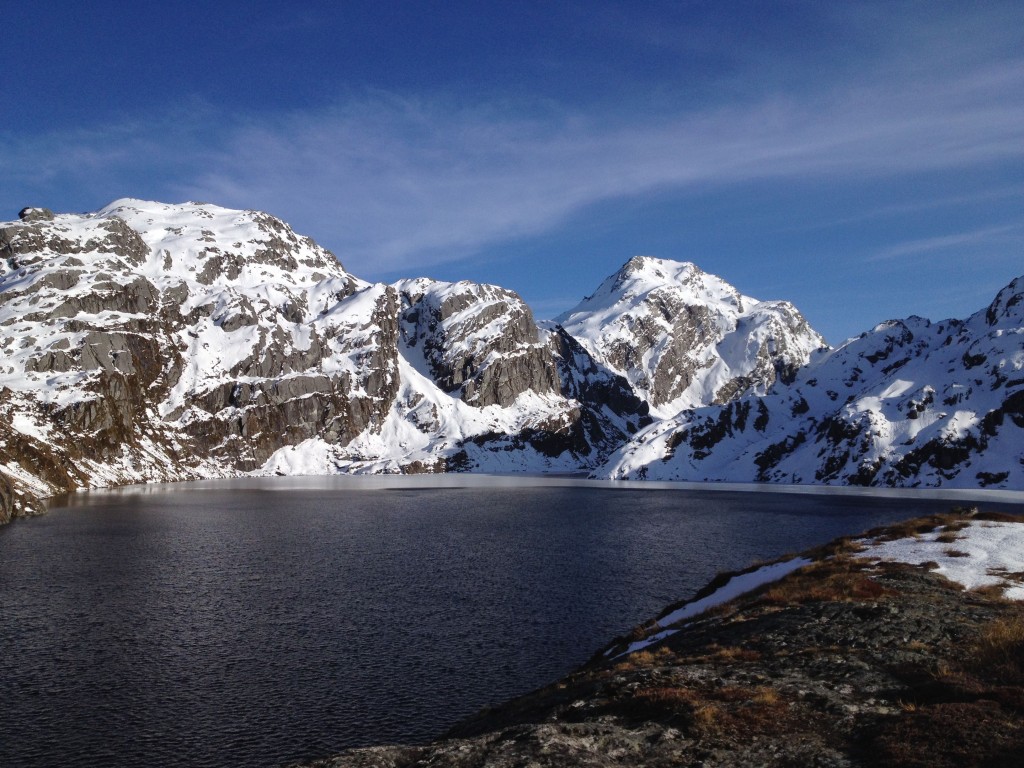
(705, 717)
(716, 711)
(999, 648)
(717, 654)
(646, 659)
(841, 580)
(955, 520)
(991, 592)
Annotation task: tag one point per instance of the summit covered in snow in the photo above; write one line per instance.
(684, 338)
(148, 341)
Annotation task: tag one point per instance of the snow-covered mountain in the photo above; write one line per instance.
(908, 403)
(684, 338)
(147, 342)
(481, 388)
(152, 342)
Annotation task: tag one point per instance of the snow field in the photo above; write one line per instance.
(983, 554)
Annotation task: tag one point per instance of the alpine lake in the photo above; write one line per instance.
(266, 621)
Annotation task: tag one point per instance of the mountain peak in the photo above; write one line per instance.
(641, 271)
(683, 337)
(1008, 303)
(211, 243)
(641, 275)
(660, 267)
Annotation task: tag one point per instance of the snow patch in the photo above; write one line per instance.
(983, 554)
(736, 586)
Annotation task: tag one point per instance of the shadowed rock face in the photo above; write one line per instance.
(481, 344)
(478, 341)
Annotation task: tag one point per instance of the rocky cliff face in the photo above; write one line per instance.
(478, 342)
(151, 342)
(908, 403)
(484, 388)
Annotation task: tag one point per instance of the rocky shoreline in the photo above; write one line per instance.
(847, 661)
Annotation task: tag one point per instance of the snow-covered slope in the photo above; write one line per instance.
(684, 338)
(147, 341)
(909, 403)
(482, 388)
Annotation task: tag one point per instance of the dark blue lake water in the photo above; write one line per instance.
(258, 622)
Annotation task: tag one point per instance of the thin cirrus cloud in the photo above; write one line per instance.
(988, 195)
(1010, 233)
(393, 182)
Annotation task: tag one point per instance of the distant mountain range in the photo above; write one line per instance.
(150, 342)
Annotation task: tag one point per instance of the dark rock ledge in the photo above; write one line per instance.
(840, 663)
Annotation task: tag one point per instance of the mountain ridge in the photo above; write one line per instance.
(151, 342)
(911, 402)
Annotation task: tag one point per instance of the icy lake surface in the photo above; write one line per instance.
(255, 622)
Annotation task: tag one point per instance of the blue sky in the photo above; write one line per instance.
(863, 160)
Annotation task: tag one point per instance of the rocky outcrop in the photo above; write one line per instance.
(481, 345)
(844, 662)
(279, 395)
(479, 342)
(35, 214)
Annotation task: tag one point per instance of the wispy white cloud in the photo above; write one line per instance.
(975, 197)
(989, 235)
(408, 182)
(394, 183)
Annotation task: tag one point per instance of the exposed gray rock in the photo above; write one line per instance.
(479, 341)
(683, 338)
(910, 402)
(35, 214)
